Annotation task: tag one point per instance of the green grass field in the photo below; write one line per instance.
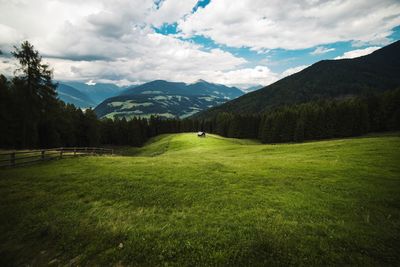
(184, 200)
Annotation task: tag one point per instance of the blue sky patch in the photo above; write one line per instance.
(278, 60)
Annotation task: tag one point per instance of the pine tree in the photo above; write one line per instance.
(7, 114)
(35, 92)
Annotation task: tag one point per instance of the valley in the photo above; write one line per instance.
(199, 133)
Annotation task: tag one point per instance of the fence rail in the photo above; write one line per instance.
(18, 158)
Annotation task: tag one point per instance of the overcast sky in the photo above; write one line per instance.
(243, 42)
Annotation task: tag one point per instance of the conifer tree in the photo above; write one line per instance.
(35, 92)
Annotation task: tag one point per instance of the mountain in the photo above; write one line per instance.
(200, 87)
(71, 95)
(373, 73)
(166, 99)
(98, 92)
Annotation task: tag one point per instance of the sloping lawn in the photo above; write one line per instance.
(184, 200)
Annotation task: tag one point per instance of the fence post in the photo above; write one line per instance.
(74, 151)
(42, 154)
(12, 159)
(112, 152)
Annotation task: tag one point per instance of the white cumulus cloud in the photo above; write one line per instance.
(101, 40)
(171, 11)
(321, 50)
(358, 52)
(260, 24)
(245, 77)
(110, 41)
(293, 70)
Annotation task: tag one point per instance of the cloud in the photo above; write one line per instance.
(8, 35)
(293, 70)
(245, 77)
(171, 11)
(112, 41)
(7, 66)
(321, 50)
(358, 52)
(115, 41)
(153, 56)
(260, 24)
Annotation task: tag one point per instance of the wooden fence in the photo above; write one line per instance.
(18, 158)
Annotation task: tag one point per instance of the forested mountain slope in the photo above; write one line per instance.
(71, 95)
(372, 73)
(166, 99)
(96, 91)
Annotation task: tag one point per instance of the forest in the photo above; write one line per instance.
(315, 120)
(31, 116)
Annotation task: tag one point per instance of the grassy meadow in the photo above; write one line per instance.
(183, 200)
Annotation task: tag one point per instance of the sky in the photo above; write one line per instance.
(238, 43)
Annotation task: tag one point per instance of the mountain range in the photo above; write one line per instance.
(166, 99)
(71, 95)
(97, 91)
(373, 73)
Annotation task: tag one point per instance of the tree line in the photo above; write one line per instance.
(323, 119)
(31, 116)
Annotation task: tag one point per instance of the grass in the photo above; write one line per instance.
(184, 200)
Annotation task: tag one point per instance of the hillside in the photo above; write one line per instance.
(71, 95)
(166, 99)
(97, 91)
(178, 88)
(181, 200)
(373, 73)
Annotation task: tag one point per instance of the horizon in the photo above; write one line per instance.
(93, 83)
(234, 44)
